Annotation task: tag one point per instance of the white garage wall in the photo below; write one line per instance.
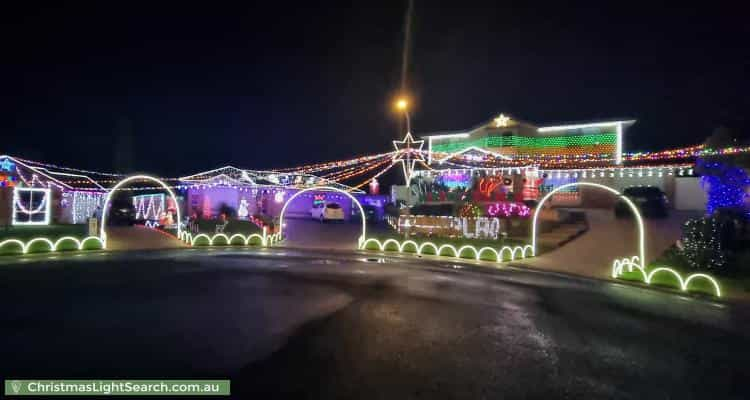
(688, 194)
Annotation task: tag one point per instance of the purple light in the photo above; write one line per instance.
(508, 209)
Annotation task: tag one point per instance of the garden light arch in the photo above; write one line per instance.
(639, 219)
(103, 233)
(312, 189)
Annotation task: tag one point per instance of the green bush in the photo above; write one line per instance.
(201, 241)
(220, 241)
(67, 244)
(410, 248)
(666, 279)
(467, 253)
(255, 241)
(237, 241)
(487, 256)
(428, 250)
(447, 252)
(11, 248)
(39, 246)
(391, 246)
(92, 244)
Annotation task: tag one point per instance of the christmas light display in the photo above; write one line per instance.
(51, 246)
(513, 253)
(108, 199)
(242, 210)
(325, 188)
(508, 209)
(34, 212)
(384, 170)
(236, 239)
(448, 226)
(489, 184)
(501, 121)
(149, 206)
(313, 168)
(7, 165)
(374, 186)
(470, 210)
(702, 246)
(636, 212)
(725, 185)
(85, 204)
(633, 264)
(7, 180)
(407, 155)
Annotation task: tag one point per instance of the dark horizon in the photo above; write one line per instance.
(277, 86)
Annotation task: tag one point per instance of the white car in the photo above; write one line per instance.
(327, 212)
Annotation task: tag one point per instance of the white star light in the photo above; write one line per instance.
(501, 121)
(407, 154)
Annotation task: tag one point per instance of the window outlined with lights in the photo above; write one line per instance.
(31, 206)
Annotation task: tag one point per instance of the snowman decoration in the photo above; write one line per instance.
(243, 212)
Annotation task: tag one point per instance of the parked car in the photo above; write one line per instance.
(121, 212)
(650, 200)
(327, 212)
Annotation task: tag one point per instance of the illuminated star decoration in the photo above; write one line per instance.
(501, 121)
(407, 154)
(6, 165)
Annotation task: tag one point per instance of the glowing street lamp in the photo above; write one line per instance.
(403, 105)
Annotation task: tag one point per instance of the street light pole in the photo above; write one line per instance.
(403, 105)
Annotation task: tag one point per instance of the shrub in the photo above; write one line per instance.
(39, 246)
(410, 248)
(702, 244)
(13, 248)
(92, 244)
(201, 241)
(237, 241)
(67, 244)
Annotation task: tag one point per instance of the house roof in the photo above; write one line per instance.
(60, 178)
(546, 128)
(229, 175)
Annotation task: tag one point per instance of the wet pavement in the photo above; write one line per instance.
(308, 324)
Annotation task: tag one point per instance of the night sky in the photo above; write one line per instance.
(278, 84)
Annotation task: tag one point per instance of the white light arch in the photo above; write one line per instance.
(103, 233)
(641, 230)
(318, 188)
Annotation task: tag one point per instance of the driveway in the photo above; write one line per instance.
(140, 238)
(609, 238)
(311, 234)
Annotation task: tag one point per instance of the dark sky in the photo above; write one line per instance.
(278, 84)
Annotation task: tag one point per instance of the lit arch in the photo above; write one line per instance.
(641, 230)
(317, 188)
(103, 233)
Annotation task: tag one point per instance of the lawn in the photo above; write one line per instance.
(25, 233)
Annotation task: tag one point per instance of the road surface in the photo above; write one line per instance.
(305, 324)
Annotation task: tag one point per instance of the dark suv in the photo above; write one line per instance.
(651, 201)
